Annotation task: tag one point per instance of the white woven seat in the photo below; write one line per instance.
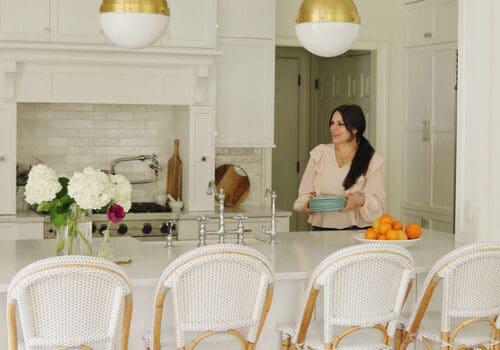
(469, 316)
(222, 288)
(70, 302)
(364, 289)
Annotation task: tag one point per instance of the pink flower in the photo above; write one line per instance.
(115, 213)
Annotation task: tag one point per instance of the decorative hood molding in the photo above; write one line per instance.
(96, 74)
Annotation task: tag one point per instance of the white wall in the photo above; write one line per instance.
(382, 21)
(478, 125)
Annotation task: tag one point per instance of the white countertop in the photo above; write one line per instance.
(294, 257)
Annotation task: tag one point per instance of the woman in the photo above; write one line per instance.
(347, 167)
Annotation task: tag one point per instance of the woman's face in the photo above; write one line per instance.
(340, 134)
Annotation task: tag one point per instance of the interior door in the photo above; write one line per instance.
(343, 80)
(286, 133)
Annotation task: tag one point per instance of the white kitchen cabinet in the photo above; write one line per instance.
(245, 93)
(202, 158)
(247, 19)
(25, 20)
(75, 21)
(429, 132)
(192, 24)
(428, 220)
(431, 22)
(8, 158)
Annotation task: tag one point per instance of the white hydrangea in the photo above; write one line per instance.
(91, 189)
(42, 185)
(123, 191)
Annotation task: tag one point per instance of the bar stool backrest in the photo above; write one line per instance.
(470, 277)
(215, 288)
(363, 285)
(70, 302)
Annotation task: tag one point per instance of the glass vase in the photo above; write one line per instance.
(75, 238)
(105, 250)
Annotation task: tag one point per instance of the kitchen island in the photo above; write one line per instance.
(293, 259)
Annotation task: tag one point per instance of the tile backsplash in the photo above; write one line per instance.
(70, 137)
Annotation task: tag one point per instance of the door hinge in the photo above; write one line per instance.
(299, 80)
(316, 83)
(298, 167)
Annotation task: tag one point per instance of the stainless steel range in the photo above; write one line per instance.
(144, 219)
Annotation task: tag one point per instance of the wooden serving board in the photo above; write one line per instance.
(235, 183)
(174, 174)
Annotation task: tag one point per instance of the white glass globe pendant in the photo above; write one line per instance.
(327, 28)
(134, 24)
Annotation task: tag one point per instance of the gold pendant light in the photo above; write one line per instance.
(134, 24)
(327, 27)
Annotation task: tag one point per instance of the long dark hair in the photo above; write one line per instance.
(354, 119)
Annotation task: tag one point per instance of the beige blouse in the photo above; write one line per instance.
(324, 176)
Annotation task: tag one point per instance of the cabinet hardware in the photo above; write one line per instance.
(2, 159)
(299, 80)
(203, 158)
(428, 35)
(298, 167)
(426, 132)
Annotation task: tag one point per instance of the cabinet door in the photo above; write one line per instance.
(443, 129)
(8, 158)
(202, 158)
(245, 93)
(76, 21)
(250, 19)
(25, 20)
(418, 113)
(431, 22)
(192, 24)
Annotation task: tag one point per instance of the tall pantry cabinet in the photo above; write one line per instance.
(429, 130)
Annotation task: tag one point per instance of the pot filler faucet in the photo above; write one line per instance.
(153, 165)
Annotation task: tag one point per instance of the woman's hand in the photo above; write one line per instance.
(353, 201)
(306, 209)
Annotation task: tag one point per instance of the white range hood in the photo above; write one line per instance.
(31, 72)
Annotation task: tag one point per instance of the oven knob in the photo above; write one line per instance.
(122, 229)
(103, 228)
(167, 227)
(147, 228)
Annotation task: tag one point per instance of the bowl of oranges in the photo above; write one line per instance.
(386, 229)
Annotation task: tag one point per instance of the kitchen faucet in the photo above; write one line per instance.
(221, 231)
(272, 231)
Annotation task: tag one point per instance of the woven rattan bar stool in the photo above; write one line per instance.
(469, 316)
(70, 302)
(220, 293)
(364, 289)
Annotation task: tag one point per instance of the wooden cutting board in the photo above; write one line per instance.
(234, 180)
(174, 174)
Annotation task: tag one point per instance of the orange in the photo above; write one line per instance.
(370, 233)
(397, 225)
(384, 227)
(402, 235)
(376, 224)
(382, 238)
(413, 231)
(392, 235)
(386, 218)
